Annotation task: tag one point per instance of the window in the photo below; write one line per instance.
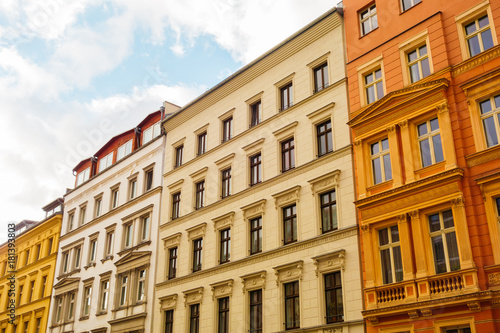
(490, 115)
(225, 246)
(87, 298)
(106, 161)
(290, 224)
(59, 304)
(27, 258)
(148, 177)
(38, 324)
(71, 218)
(390, 255)
(497, 200)
(172, 263)
(77, 254)
(38, 249)
(71, 309)
(200, 194)
(151, 132)
(444, 242)
(256, 235)
(109, 243)
(145, 228)
(418, 63)
(286, 94)
(98, 207)
(333, 298)
(83, 176)
(44, 285)
(256, 311)
(83, 210)
(176, 205)
(429, 140)
(287, 155)
(328, 211)
(26, 324)
(132, 187)
(92, 250)
(197, 248)
(226, 183)
(124, 150)
(103, 299)
(194, 318)
(202, 143)
(65, 265)
(114, 198)
(368, 20)
(223, 326)
(32, 289)
(227, 129)
(381, 161)
(407, 4)
(324, 137)
(255, 113)
(169, 321)
(178, 156)
(292, 305)
(457, 330)
(255, 169)
(321, 77)
(128, 237)
(123, 289)
(478, 35)
(373, 85)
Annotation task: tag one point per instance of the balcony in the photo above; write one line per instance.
(422, 289)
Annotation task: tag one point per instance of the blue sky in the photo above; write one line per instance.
(68, 65)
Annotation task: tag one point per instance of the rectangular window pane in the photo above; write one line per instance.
(439, 256)
(387, 167)
(438, 150)
(255, 311)
(490, 131)
(451, 244)
(487, 39)
(425, 151)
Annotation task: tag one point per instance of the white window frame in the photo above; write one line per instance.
(372, 13)
(124, 150)
(83, 176)
(106, 161)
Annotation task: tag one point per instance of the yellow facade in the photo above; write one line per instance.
(36, 251)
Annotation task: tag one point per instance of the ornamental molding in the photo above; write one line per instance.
(325, 182)
(198, 231)
(288, 272)
(254, 209)
(282, 178)
(222, 289)
(199, 173)
(193, 296)
(254, 146)
(168, 302)
(256, 259)
(458, 202)
(483, 156)
(175, 185)
(286, 197)
(329, 262)
(172, 241)
(223, 221)
(225, 160)
(253, 281)
(494, 279)
(476, 61)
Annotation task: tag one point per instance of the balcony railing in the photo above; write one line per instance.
(446, 284)
(389, 295)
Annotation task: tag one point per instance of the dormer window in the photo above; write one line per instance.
(124, 150)
(106, 161)
(83, 176)
(151, 132)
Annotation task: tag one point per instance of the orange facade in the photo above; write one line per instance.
(424, 90)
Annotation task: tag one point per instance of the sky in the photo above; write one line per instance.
(74, 73)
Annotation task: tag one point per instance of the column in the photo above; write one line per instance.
(462, 233)
(360, 168)
(418, 241)
(405, 243)
(368, 256)
(394, 151)
(407, 151)
(447, 136)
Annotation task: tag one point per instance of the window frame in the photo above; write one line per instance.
(255, 167)
(428, 137)
(169, 320)
(442, 232)
(176, 205)
(172, 262)
(226, 182)
(258, 304)
(223, 307)
(224, 245)
(85, 175)
(199, 194)
(179, 152)
(197, 250)
(107, 164)
(391, 246)
(259, 231)
(380, 156)
(324, 135)
(334, 288)
(104, 295)
(286, 96)
(333, 215)
(148, 179)
(132, 188)
(292, 218)
(227, 129)
(86, 300)
(201, 143)
(413, 3)
(98, 206)
(194, 318)
(255, 113)
(115, 197)
(124, 150)
(287, 154)
(294, 297)
(371, 10)
(323, 69)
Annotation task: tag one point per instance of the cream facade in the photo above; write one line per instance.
(258, 228)
(107, 250)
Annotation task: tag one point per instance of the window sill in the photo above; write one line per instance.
(108, 257)
(91, 264)
(368, 32)
(380, 185)
(430, 168)
(84, 318)
(130, 249)
(102, 313)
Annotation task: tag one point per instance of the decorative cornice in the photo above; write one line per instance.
(281, 178)
(193, 296)
(254, 209)
(476, 61)
(322, 183)
(254, 145)
(286, 197)
(288, 272)
(258, 258)
(197, 231)
(456, 173)
(221, 289)
(223, 221)
(329, 262)
(253, 281)
(483, 156)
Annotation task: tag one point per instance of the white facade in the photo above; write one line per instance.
(109, 287)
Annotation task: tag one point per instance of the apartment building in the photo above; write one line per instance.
(258, 230)
(26, 281)
(105, 270)
(424, 93)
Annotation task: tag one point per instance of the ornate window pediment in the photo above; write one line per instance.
(172, 240)
(288, 272)
(222, 289)
(329, 262)
(325, 182)
(287, 197)
(198, 231)
(253, 281)
(168, 302)
(254, 209)
(223, 221)
(193, 296)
